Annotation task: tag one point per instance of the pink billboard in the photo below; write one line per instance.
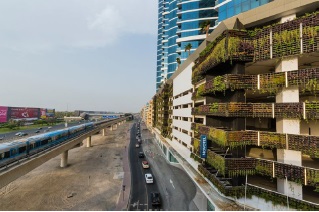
(3, 114)
(24, 113)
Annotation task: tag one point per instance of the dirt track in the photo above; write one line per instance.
(92, 181)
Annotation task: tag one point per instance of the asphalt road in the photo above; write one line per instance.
(176, 187)
(140, 191)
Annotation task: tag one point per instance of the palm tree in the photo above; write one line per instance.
(178, 60)
(204, 27)
(188, 48)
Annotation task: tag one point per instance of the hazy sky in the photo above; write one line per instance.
(78, 54)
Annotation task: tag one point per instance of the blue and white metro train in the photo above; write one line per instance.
(15, 150)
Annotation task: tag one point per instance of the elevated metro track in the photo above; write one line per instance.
(24, 166)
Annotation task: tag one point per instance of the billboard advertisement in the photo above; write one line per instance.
(50, 112)
(24, 113)
(3, 114)
(43, 113)
(203, 146)
(46, 113)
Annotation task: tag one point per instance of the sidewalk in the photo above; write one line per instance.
(123, 200)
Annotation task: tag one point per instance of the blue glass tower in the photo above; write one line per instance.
(178, 25)
(230, 8)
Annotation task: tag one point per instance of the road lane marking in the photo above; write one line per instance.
(170, 180)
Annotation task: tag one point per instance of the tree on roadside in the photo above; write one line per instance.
(204, 27)
(178, 60)
(188, 48)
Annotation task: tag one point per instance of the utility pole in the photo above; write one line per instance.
(123, 188)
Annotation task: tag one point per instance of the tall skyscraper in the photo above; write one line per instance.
(178, 26)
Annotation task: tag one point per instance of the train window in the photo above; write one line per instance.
(22, 149)
(7, 154)
(31, 146)
(44, 142)
(13, 152)
(1, 155)
(38, 143)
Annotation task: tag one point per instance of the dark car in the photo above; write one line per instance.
(155, 199)
(37, 131)
(141, 155)
(40, 128)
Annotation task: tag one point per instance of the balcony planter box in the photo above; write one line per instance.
(272, 140)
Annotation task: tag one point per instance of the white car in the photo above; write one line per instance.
(137, 145)
(148, 178)
(145, 164)
(18, 133)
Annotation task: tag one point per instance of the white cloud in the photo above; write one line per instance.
(40, 25)
(109, 22)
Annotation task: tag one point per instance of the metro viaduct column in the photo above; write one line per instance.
(88, 141)
(64, 159)
(104, 132)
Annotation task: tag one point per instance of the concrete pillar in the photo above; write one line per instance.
(64, 159)
(88, 141)
(288, 125)
(104, 132)
(111, 128)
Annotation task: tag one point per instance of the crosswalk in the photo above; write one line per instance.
(143, 208)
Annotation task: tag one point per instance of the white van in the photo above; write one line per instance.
(149, 178)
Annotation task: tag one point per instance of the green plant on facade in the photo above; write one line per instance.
(218, 136)
(273, 140)
(196, 145)
(313, 178)
(309, 33)
(286, 42)
(232, 47)
(200, 91)
(217, 161)
(272, 82)
(214, 107)
(312, 85)
(264, 168)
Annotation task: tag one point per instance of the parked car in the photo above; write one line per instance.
(40, 128)
(37, 131)
(141, 155)
(137, 145)
(155, 198)
(148, 178)
(1, 138)
(49, 127)
(145, 164)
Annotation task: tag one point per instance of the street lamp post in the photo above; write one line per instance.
(123, 188)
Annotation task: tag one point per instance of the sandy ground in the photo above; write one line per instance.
(91, 181)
